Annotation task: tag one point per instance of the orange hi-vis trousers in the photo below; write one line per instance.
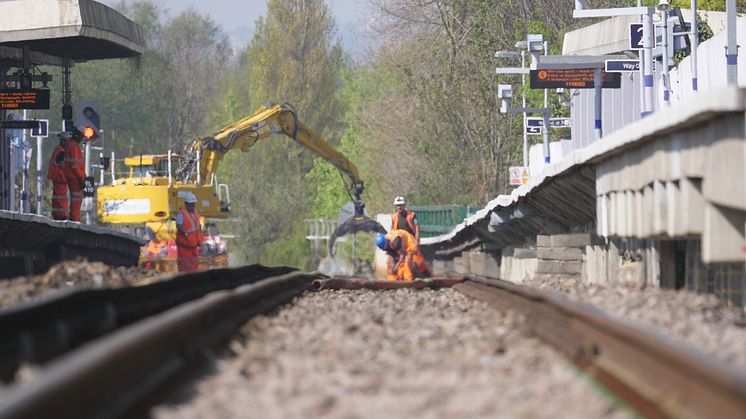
(187, 258)
(59, 201)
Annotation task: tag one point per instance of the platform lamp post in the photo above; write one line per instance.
(731, 52)
(664, 7)
(646, 61)
(694, 44)
(535, 45)
(513, 54)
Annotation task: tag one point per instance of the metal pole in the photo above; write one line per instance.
(199, 160)
(88, 200)
(666, 58)
(647, 62)
(547, 150)
(39, 173)
(547, 156)
(643, 105)
(731, 54)
(87, 158)
(67, 124)
(112, 165)
(694, 44)
(169, 168)
(597, 81)
(523, 101)
(24, 181)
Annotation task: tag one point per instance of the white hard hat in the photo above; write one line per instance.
(399, 200)
(189, 198)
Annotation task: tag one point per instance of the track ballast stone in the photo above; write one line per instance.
(393, 354)
(78, 274)
(699, 320)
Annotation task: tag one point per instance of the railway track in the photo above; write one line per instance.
(161, 332)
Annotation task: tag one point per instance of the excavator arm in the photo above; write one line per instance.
(206, 154)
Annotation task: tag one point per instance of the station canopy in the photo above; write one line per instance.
(80, 30)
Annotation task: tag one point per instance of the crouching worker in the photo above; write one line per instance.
(189, 235)
(404, 259)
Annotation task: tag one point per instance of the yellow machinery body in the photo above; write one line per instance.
(153, 192)
(148, 194)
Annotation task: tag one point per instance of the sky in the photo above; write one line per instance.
(237, 17)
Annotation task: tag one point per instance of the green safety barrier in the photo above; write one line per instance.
(440, 219)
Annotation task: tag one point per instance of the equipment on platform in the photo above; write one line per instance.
(158, 184)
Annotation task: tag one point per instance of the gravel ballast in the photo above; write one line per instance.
(392, 354)
(699, 320)
(78, 273)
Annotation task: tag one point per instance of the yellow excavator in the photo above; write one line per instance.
(157, 184)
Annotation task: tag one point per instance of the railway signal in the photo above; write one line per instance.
(88, 119)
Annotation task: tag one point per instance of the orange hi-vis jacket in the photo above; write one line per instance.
(190, 233)
(407, 240)
(74, 161)
(410, 221)
(56, 169)
(400, 267)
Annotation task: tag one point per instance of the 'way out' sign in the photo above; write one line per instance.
(619, 66)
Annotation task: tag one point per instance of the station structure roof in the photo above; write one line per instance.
(80, 30)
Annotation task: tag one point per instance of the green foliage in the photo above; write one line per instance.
(291, 251)
(293, 57)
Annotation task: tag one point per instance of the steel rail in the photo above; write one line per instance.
(112, 375)
(344, 283)
(41, 331)
(656, 376)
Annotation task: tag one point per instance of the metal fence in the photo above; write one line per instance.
(440, 219)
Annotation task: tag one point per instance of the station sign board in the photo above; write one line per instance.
(575, 78)
(636, 36)
(42, 131)
(24, 99)
(620, 66)
(534, 124)
(518, 175)
(19, 124)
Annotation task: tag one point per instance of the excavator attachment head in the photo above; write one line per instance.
(355, 224)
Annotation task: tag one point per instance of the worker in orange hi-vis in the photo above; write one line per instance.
(405, 219)
(75, 175)
(56, 173)
(188, 235)
(401, 249)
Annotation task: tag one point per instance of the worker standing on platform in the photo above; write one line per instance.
(188, 235)
(75, 174)
(56, 173)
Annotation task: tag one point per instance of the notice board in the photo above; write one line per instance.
(24, 99)
(575, 78)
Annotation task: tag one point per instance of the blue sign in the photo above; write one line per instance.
(534, 124)
(618, 66)
(41, 130)
(635, 36)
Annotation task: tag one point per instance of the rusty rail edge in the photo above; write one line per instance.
(657, 376)
(39, 331)
(342, 283)
(112, 375)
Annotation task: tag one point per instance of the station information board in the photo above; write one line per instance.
(576, 78)
(24, 99)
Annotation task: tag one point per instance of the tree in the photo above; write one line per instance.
(163, 99)
(294, 57)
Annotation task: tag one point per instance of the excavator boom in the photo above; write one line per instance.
(206, 154)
